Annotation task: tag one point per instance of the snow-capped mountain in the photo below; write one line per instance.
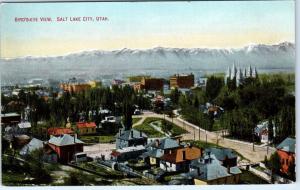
(95, 63)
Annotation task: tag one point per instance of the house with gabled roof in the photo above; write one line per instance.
(58, 131)
(85, 128)
(286, 152)
(208, 170)
(130, 137)
(157, 148)
(226, 156)
(66, 147)
(33, 145)
(179, 159)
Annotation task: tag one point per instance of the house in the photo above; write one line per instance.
(58, 131)
(34, 144)
(65, 146)
(85, 128)
(208, 170)
(157, 148)
(130, 137)
(214, 110)
(262, 131)
(286, 152)
(226, 156)
(179, 159)
(127, 153)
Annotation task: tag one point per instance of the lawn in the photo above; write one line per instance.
(98, 139)
(148, 130)
(136, 119)
(151, 132)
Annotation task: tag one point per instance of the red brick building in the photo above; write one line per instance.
(182, 81)
(65, 147)
(286, 152)
(156, 84)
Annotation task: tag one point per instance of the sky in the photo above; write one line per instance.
(143, 25)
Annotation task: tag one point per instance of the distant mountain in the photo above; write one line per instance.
(159, 60)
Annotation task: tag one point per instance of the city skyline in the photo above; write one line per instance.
(144, 26)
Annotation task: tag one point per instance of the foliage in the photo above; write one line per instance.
(213, 87)
(274, 163)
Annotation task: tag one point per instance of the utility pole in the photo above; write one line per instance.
(194, 134)
(253, 139)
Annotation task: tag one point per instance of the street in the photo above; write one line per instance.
(244, 148)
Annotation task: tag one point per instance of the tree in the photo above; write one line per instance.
(270, 129)
(274, 163)
(174, 96)
(213, 87)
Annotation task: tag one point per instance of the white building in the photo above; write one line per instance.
(237, 74)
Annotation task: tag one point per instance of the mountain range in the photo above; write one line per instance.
(156, 61)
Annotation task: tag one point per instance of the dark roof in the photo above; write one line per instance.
(64, 140)
(208, 171)
(164, 144)
(222, 153)
(288, 145)
(131, 134)
(155, 153)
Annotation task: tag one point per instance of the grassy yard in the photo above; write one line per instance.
(136, 119)
(148, 130)
(151, 132)
(98, 139)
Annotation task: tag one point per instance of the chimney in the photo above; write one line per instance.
(156, 143)
(228, 169)
(141, 134)
(131, 133)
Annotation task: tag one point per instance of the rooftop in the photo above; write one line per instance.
(130, 149)
(288, 145)
(210, 170)
(177, 156)
(86, 125)
(64, 140)
(131, 134)
(222, 153)
(59, 131)
(164, 144)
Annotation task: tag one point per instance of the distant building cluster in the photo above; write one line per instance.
(182, 81)
(238, 74)
(74, 85)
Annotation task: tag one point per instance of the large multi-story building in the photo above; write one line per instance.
(238, 74)
(75, 86)
(154, 84)
(182, 81)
